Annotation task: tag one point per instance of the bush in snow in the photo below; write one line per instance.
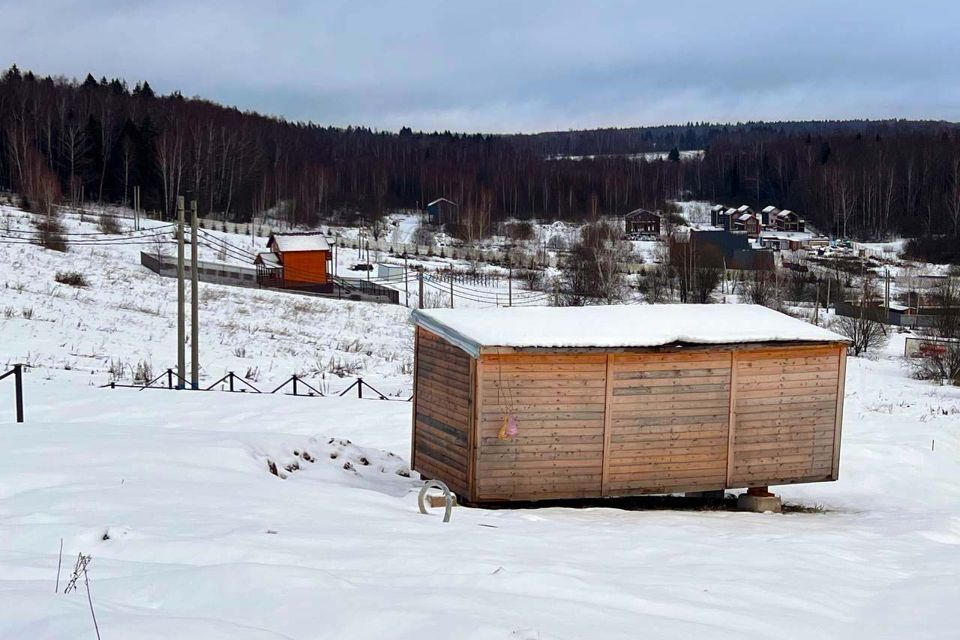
(72, 278)
(865, 334)
(50, 234)
(108, 224)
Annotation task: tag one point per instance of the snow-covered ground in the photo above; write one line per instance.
(126, 317)
(192, 536)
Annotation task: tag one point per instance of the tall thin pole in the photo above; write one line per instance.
(510, 287)
(451, 289)
(406, 282)
(420, 275)
(136, 208)
(194, 301)
(18, 390)
(181, 319)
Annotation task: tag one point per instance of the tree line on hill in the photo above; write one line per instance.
(67, 141)
(97, 139)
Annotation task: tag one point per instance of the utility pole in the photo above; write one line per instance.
(181, 320)
(510, 286)
(451, 288)
(420, 276)
(194, 301)
(406, 283)
(136, 208)
(886, 294)
(816, 307)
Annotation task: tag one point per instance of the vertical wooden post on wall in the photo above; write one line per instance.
(413, 434)
(732, 419)
(838, 425)
(607, 425)
(473, 451)
(473, 422)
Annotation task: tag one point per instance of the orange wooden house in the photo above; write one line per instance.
(295, 261)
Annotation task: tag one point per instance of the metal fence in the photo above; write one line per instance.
(894, 317)
(232, 383)
(921, 347)
(17, 373)
(238, 276)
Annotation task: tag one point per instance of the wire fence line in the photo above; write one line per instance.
(295, 385)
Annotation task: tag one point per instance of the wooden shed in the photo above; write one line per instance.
(519, 404)
(295, 261)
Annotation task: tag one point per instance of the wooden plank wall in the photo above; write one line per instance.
(785, 414)
(443, 404)
(669, 417)
(558, 402)
(609, 424)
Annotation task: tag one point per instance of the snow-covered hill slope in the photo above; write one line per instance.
(193, 536)
(126, 316)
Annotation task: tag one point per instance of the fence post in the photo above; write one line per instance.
(18, 383)
(294, 384)
(169, 378)
(231, 381)
(360, 388)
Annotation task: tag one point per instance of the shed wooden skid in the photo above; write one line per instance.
(603, 422)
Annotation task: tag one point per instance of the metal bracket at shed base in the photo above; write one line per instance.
(436, 484)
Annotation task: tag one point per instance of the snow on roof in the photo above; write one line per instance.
(730, 211)
(299, 242)
(616, 326)
(636, 213)
(769, 208)
(268, 259)
(717, 207)
(743, 207)
(785, 213)
(430, 204)
(745, 216)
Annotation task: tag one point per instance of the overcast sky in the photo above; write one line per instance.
(511, 66)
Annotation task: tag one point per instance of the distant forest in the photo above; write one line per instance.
(64, 140)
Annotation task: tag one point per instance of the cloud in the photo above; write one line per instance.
(511, 66)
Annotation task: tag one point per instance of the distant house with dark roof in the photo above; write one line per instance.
(727, 250)
(716, 211)
(721, 216)
(642, 222)
(787, 220)
(748, 222)
(442, 211)
(767, 213)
